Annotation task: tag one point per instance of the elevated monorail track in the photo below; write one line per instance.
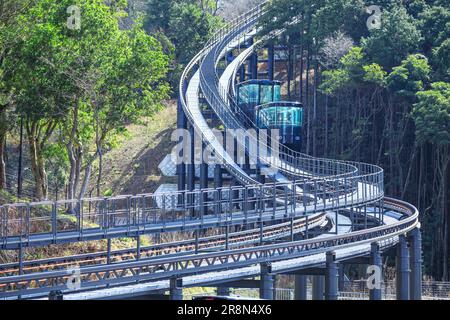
(301, 193)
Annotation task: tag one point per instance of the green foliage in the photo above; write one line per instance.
(334, 80)
(88, 83)
(352, 72)
(108, 193)
(183, 26)
(441, 59)
(432, 115)
(410, 77)
(352, 62)
(398, 36)
(374, 73)
(435, 26)
(189, 28)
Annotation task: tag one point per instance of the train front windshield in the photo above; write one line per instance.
(253, 93)
(279, 116)
(287, 117)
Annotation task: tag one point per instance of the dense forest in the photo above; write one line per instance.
(70, 85)
(376, 87)
(75, 74)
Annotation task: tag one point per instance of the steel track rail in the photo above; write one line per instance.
(235, 239)
(164, 268)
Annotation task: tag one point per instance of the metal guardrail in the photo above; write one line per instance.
(215, 94)
(40, 223)
(231, 240)
(319, 167)
(165, 268)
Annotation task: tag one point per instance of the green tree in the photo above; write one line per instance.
(441, 59)
(435, 26)
(410, 77)
(432, 118)
(186, 24)
(398, 36)
(87, 82)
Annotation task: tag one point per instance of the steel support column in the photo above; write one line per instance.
(55, 295)
(191, 164)
(403, 271)
(181, 168)
(176, 289)
(331, 277)
(223, 291)
(242, 73)
(266, 286)
(254, 64)
(318, 287)
(271, 62)
(204, 181)
(203, 170)
(341, 280)
(376, 262)
(218, 178)
(301, 289)
(415, 241)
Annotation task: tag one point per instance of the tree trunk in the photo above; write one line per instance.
(2, 161)
(3, 133)
(36, 161)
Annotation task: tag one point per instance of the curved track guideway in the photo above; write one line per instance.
(306, 186)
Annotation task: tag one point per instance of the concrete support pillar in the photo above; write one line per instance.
(301, 287)
(176, 289)
(415, 241)
(318, 285)
(267, 282)
(271, 62)
(223, 291)
(331, 277)
(375, 261)
(403, 271)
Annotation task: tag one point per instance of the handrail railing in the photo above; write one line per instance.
(212, 90)
(146, 270)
